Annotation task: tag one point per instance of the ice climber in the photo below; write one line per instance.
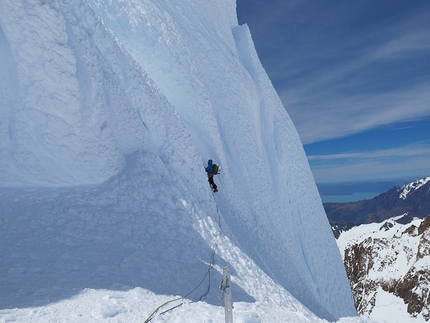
(212, 169)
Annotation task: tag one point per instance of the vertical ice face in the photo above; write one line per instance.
(87, 83)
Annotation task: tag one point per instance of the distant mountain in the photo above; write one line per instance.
(385, 246)
(388, 265)
(412, 199)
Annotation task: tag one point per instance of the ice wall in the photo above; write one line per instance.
(87, 83)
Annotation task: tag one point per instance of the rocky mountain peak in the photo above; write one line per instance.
(390, 258)
(406, 189)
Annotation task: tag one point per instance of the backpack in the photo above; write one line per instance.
(215, 169)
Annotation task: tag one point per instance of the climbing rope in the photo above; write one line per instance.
(211, 264)
(184, 296)
(213, 249)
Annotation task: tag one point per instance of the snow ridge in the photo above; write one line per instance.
(412, 186)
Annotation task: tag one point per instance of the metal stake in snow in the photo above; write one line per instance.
(226, 294)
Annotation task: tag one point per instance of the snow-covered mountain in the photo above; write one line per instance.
(388, 262)
(388, 265)
(109, 111)
(412, 198)
(412, 188)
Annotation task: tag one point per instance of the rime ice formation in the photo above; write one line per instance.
(109, 111)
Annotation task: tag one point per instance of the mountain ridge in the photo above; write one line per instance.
(411, 198)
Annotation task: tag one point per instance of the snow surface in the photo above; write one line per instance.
(384, 230)
(109, 111)
(392, 309)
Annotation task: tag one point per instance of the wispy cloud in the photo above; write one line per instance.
(413, 150)
(403, 46)
(346, 98)
(336, 83)
(387, 163)
(343, 116)
(417, 166)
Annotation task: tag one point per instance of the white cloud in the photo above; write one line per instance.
(355, 95)
(412, 150)
(402, 46)
(345, 116)
(373, 170)
(388, 163)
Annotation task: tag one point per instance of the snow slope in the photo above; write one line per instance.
(109, 111)
(385, 230)
(389, 264)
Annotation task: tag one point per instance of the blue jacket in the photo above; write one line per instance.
(209, 168)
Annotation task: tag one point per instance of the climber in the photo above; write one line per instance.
(212, 169)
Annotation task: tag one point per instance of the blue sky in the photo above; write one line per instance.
(355, 78)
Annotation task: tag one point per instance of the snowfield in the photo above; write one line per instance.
(109, 111)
